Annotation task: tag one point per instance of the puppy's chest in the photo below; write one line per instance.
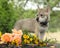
(42, 28)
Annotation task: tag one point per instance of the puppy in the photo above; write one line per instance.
(38, 25)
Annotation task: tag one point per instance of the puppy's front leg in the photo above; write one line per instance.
(42, 35)
(38, 35)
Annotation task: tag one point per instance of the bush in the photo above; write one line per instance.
(7, 16)
(54, 21)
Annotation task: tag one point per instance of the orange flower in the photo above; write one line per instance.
(20, 32)
(14, 30)
(17, 39)
(17, 32)
(6, 37)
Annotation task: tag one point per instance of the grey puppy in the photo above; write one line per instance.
(38, 25)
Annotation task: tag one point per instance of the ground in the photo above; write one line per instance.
(54, 35)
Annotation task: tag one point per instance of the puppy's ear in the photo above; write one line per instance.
(38, 8)
(47, 9)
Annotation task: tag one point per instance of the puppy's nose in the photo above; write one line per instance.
(44, 23)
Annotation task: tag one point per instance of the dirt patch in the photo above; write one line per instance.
(53, 35)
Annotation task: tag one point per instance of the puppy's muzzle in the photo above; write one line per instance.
(44, 23)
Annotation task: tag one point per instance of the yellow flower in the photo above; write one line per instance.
(44, 44)
(31, 39)
(34, 35)
(36, 42)
(28, 41)
(0, 33)
(25, 40)
(41, 45)
(25, 36)
(12, 42)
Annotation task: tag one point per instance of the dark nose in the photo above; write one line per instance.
(44, 23)
(37, 19)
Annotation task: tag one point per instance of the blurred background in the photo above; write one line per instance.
(13, 10)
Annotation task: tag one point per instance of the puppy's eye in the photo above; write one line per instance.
(41, 14)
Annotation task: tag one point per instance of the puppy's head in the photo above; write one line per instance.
(43, 16)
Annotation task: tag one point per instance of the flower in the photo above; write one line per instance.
(28, 41)
(41, 41)
(0, 33)
(6, 37)
(25, 41)
(25, 36)
(41, 45)
(31, 39)
(20, 32)
(44, 44)
(1, 42)
(34, 36)
(36, 41)
(17, 39)
(17, 32)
